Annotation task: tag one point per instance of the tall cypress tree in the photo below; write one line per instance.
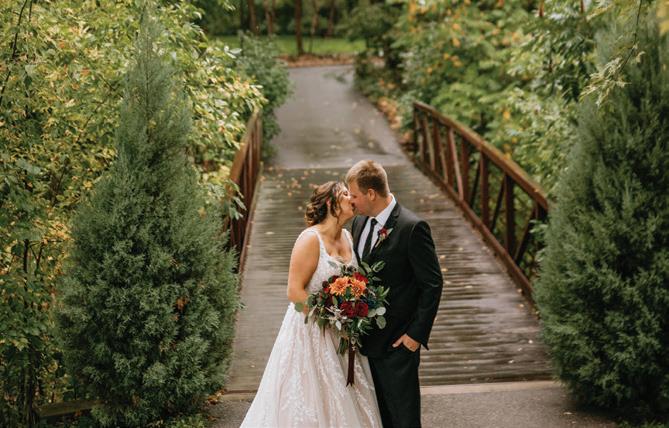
(148, 308)
(603, 292)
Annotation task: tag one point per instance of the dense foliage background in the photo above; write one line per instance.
(529, 75)
(61, 67)
(512, 70)
(322, 18)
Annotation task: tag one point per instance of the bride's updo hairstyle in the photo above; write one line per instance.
(317, 208)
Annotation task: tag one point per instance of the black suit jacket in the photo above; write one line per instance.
(412, 275)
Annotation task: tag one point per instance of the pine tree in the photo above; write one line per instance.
(148, 307)
(603, 293)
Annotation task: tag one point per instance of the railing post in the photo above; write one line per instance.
(464, 168)
(432, 146)
(485, 191)
(510, 240)
(415, 129)
(438, 150)
(425, 142)
(454, 161)
(450, 175)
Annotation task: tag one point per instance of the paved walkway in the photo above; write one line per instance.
(539, 404)
(484, 333)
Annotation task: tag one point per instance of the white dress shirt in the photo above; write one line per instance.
(381, 219)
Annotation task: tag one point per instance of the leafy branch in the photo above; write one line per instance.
(604, 81)
(15, 46)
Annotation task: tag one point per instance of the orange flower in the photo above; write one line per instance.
(358, 287)
(338, 287)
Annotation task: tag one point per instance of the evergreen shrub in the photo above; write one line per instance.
(603, 293)
(148, 305)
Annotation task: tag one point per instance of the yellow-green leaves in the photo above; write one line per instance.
(663, 15)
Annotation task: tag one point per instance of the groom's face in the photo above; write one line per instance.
(360, 201)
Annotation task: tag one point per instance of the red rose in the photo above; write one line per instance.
(362, 309)
(325, 284)
(347, 309)
(360, 277)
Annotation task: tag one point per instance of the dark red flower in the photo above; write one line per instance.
(347, 309)
(362, 309)
(360, 277)
(328, 301)
(325, 284)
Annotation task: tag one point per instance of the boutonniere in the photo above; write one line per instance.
(382, 234)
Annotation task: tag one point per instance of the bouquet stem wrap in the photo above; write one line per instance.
(351, 364)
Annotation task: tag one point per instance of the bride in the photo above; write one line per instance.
(304, 383)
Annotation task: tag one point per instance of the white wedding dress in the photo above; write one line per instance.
(304, 383)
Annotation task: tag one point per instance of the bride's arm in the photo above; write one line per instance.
(303, 263)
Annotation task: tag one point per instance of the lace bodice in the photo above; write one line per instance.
(325, 269)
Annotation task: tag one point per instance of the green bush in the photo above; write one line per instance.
(149, 302)
(61, 69)
(497, 67)
(26, 347)
(603, 291)
(257, 59)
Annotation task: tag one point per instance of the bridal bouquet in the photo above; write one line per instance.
(349, 303)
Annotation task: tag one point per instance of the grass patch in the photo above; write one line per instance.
(319, 45)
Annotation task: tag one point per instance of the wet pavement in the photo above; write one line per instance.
(327, 124)
(508, 405)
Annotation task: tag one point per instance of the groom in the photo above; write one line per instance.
(385, 230)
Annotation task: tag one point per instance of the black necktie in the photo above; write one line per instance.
(368, 241)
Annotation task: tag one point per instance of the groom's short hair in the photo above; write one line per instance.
(368, 174)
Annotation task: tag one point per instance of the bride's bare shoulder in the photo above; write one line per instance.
(306, 251)
(307, 240)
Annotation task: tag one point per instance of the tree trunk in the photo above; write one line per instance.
(252, 17)
(242, 21)
(269, 18)
(273, 11)
(314, 24)
(298, 27)
(330, 31)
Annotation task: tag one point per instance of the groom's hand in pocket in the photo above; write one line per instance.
(408, 343)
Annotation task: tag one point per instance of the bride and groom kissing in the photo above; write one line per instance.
(304, 383)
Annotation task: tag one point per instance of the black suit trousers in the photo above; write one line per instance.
(395, 377)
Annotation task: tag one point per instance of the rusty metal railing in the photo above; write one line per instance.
(245, 172)
(470, 169)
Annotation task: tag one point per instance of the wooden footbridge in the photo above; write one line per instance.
(480, 205)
